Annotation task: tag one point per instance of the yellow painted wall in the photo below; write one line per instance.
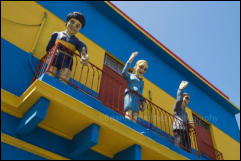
(20, 22)
(225, 144)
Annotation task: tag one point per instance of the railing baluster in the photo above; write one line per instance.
(82, 67)
(76, 63)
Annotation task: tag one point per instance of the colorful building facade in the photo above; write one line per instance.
(43, 118)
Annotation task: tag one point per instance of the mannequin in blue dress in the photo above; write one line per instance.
(134, 102)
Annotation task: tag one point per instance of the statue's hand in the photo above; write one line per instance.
(84, 59)
(183, 85)
(133, 55)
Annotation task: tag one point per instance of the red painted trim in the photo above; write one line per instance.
(165, 48)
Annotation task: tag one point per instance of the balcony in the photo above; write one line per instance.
(100, 90)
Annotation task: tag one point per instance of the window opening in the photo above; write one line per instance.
(113, 64)
(200, 122)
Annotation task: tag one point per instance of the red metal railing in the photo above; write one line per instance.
(219, 155)
(83, 77)
(160, 121)
(88, 79)
(210, 151)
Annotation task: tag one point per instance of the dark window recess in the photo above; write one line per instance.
(200, 122)
(113, 64)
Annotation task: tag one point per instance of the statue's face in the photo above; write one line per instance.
(73, 26)
(186, 99)
(141, 69)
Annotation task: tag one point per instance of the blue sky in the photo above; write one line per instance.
(205, 35)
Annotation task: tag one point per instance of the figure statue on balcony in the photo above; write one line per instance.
(133, 101)
(63, 59)
(181, 123)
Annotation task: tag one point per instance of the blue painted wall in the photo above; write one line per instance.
(9, 152)
(120, 43)
(16, 72)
